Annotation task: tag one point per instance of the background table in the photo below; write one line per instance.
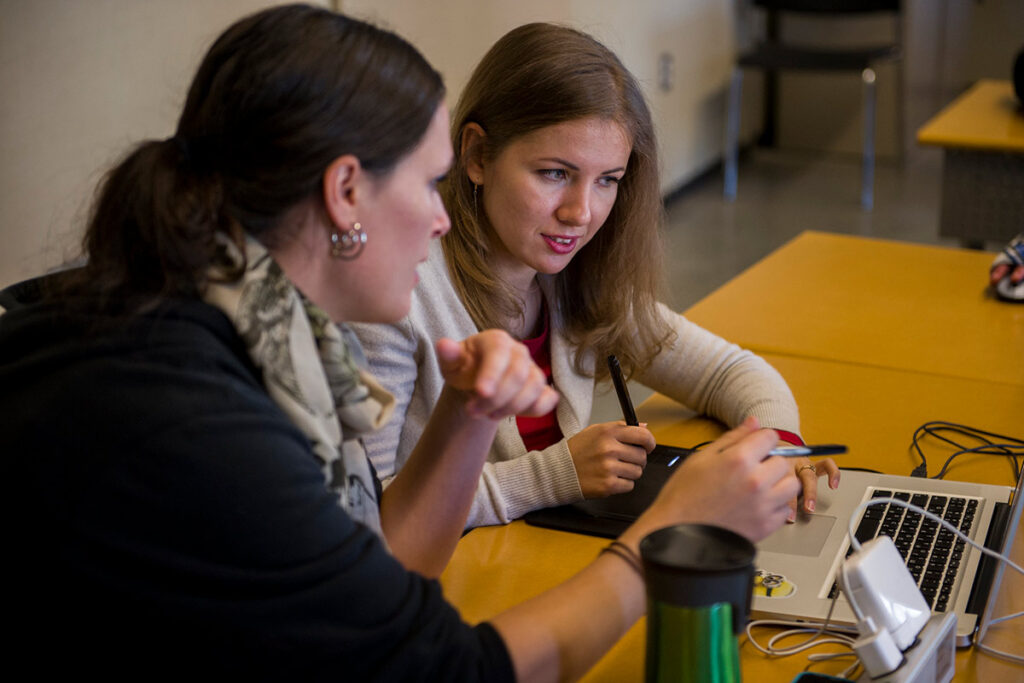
(872, 303)
(982, 134)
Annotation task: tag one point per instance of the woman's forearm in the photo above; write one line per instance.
(561, 633)
(423, 511)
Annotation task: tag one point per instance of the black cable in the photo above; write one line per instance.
(984, 450)
(1010, 447)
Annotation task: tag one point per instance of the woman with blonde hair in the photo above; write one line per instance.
(556, 212)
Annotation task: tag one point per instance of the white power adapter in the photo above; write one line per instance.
(890, 609)
(931, 660)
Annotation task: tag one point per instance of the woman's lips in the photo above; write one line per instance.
(561, 244)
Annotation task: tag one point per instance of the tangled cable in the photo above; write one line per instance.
(983, 442)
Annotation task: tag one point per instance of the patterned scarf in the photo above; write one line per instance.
(311, 370)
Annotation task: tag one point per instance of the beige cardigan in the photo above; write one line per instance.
(701, 371)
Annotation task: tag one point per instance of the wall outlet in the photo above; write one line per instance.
(666, 69)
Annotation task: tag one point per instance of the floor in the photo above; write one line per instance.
(780, 194)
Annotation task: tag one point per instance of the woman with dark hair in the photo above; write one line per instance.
(556, 211)
(184, 415)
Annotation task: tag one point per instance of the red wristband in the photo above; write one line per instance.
(790, 437)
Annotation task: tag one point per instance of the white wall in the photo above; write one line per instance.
(81, 81)
(698, 35)
(84, 79)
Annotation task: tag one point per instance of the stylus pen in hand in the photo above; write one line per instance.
(785, 451)
(620, 388)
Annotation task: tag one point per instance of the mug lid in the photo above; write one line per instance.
(698, 548)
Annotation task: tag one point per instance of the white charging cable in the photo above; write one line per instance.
(818, 636)
(991, 553)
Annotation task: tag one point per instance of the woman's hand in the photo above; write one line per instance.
(808, 472)
(609, 457)
(1008, 263)
(496, 375)
(729, 483)
(1015, 273)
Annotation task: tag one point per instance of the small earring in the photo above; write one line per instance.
(475, 210)
(348, 245)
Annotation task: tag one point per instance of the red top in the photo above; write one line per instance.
(540, 432)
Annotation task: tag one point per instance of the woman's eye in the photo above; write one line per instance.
(609, 180)
(553, 173)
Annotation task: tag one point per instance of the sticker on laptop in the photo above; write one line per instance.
(768, 585)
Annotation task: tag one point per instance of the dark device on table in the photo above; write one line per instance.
(609, 517)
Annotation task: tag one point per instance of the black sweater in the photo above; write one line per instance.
(164, 518)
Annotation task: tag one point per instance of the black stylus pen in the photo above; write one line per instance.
(620, 388)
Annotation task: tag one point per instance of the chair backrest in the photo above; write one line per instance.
(830, 6)
(29, 291)
(829, 10)
(20, 294)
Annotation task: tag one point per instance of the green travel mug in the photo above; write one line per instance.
(699, 584)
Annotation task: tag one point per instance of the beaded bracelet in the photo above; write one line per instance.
(622, 550)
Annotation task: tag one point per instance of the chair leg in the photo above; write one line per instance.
(901, 113)
(867, 188)
(732, 135)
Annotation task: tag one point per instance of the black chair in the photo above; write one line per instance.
(21, 293)
(30, 291)
(775, 54)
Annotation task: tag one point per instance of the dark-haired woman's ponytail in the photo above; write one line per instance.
(152, 229)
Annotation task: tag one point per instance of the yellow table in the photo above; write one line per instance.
(872, 303)
(987, 116)
(873, 410)
(982, 133)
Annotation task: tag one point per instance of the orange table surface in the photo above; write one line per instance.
(875, 303)
(873, 410)
(987, 116)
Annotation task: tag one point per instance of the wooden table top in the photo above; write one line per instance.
(987, 116)
(873, 410)
(875, 303)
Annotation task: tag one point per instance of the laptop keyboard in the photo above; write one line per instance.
(932, 553)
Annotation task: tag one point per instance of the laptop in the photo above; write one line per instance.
(796, 566)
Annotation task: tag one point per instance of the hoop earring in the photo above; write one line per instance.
(349, 245)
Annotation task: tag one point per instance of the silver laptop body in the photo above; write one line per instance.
(798, 563)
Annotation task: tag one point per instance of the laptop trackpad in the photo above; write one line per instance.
(806, 537)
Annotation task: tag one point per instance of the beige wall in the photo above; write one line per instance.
(698, 36)
(84, 79)
(81, 81)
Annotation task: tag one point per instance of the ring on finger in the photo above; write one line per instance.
(806, 467)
